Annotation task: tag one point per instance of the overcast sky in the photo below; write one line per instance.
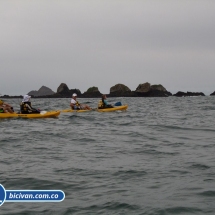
(86, 43)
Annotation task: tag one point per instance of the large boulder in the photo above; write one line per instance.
(212, 94)
(158, 87)
(63, 89)
(148, 90)
(159, 91)
(92, 92)
(143, 88)
(119, 90)
(183, 94)
(43, 91)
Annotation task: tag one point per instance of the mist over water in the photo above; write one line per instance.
(155, 158)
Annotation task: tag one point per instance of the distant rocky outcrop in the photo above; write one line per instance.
(120, 90)
(64, 91)
(183, 94)
(92, 92)
(148, 90)
(43, 91)
(143, 88)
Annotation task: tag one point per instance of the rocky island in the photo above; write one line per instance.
(43, 91)
(183, 94)
(118, 90)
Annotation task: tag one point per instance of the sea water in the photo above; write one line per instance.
(158, 157)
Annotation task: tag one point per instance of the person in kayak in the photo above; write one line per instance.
(25, 106)
(75, 105)
(104, 103)
(5, 108)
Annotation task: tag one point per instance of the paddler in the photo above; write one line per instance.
(5, 107)
(104, 103)
(25, 106)
(75, 105)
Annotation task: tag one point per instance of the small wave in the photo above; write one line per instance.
(128, 174)
(172, 127)
(153, 152)
(34, 183)
(106, 208)
(199, 166)
(119, 205)
(209, 193)
(182, 172)
(180, 210)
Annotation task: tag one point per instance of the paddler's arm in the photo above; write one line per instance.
(6, 104)
(73, 106)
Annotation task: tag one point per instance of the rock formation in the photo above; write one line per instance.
(143, 88)
(92, 92)
(183, 94)
(120, 90)
(43, 91)
(64, 91)
(212, 94)
(148, 90)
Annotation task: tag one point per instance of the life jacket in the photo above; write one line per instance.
(77, 106)
(24, 107)
(1, 102)
(100, 104)
(77, 103)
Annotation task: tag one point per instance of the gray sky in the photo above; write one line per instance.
(101, 43)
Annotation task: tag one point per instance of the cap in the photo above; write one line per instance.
(74, 94)
(26, 98)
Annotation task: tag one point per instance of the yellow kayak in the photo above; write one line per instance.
(116, 108)
(42, 114)
(70, 110)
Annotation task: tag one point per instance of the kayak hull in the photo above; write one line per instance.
(78, 111)
(44, 114)
(116, 108)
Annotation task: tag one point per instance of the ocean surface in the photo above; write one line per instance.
(156, 158)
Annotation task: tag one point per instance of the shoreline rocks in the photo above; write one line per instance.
(43, 91)
(183, 94)
(92, 92)
(64, 91)
(148, 90)
(118, 90)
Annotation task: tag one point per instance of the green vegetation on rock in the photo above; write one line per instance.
(158, 87)
(92, 89)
